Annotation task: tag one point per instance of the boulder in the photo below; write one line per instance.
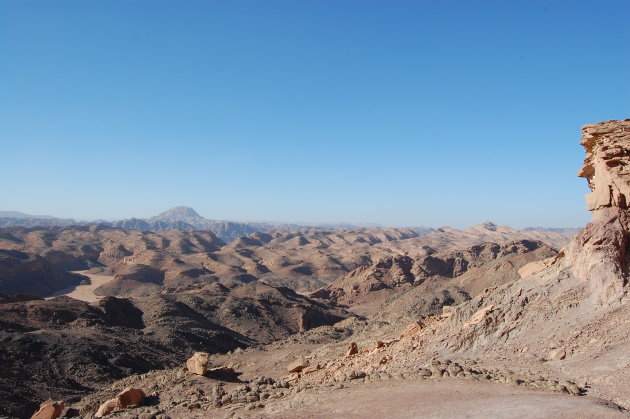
(353, 349)
(557, 354)
(355, 375)
(106, 408)
(298, 365)
(49, 410)
(198, 363)
(130, 397)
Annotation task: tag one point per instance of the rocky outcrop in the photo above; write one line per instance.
(607, 164)
(600, 253)
(605, 242)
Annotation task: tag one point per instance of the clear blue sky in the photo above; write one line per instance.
(396, 112)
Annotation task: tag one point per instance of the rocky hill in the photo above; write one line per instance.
(23, 273)
(144, 263)
(308, 259)
(171, 257)
(63, 347)
(377, 281)
(187, 218)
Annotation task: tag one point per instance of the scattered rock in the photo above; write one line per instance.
(353, 349)
(130, 397)
(49, 410)
(354, 375)
(412, 329)
(198, 363)
(126, 398)
(106, 408)
(311, 369)
(298, 365)
(479, 316)
(557, 354)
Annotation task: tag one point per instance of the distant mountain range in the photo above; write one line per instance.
(187, 218)
(174, 218)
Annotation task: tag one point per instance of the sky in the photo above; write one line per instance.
(394, 112)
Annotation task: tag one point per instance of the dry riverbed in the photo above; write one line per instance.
(85, 292)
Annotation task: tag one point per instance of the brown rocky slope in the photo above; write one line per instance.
(388, 276)
(145, 263)
(64, 348)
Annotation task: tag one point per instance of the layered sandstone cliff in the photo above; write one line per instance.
(600, 253)
(607, 164)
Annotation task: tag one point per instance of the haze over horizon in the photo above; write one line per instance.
(398, 113)
(305, 223)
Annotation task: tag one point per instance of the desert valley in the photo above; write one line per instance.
(178, 316)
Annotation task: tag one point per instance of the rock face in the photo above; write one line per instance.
(607, 164)
(600, 253)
